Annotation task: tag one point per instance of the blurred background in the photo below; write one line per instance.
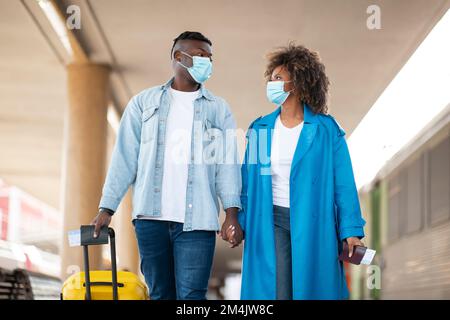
(68, 69)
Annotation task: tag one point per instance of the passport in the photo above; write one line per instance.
(85, 236)
(361, 255)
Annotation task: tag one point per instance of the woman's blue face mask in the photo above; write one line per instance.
(275, 92)
(201, 69)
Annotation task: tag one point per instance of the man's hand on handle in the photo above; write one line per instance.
(102, 219)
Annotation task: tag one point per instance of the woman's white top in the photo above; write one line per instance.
(284, 143)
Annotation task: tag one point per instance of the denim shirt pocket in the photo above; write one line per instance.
(149, 121)
(212, 141)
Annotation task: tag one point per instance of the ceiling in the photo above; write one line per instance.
(135, 37)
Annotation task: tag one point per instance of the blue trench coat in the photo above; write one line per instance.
(324, 210)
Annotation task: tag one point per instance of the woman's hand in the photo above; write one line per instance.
(352, 242)
(231, 229)
(235, 235)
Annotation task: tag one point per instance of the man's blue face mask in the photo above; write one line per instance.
(201, 69)
(275, 92)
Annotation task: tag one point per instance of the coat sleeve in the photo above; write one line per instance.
(244, 175)
(347, 207)
(228, 178)
(123, 167)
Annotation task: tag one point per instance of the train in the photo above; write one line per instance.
(407, 211)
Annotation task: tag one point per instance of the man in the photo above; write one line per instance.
(167, 146)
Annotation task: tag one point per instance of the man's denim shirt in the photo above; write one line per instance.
(138, 158)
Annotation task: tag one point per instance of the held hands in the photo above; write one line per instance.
(231, 230)
(352, 242)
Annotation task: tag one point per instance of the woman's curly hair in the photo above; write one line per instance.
(307, 72)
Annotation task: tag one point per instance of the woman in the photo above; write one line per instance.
(299, 196)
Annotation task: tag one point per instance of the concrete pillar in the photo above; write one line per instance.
(127, 251)
(84, 156)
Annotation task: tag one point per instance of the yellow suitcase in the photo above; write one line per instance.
(103, 285)
(130, 287)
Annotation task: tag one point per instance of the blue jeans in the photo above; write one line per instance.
(176, 264)
(281, 218)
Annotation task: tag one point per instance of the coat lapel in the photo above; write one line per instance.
(306, 136)
(268, 123)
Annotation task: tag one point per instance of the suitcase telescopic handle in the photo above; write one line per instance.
(87, 280)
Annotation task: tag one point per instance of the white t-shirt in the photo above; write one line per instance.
(284, 143)
(177, 153)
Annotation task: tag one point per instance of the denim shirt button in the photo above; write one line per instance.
(190, 205)
(156, 190)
